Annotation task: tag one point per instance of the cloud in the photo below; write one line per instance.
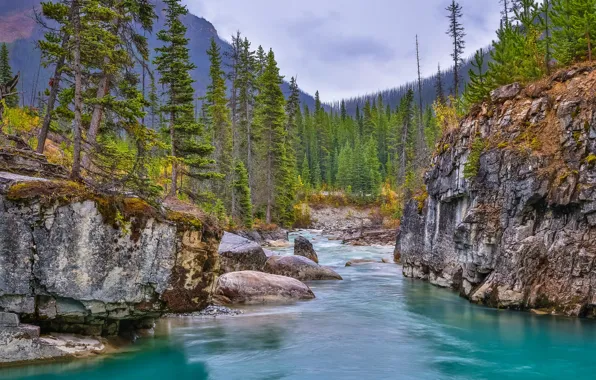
(345, 48)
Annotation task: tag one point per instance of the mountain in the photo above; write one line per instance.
(20, 31)
(392, 96)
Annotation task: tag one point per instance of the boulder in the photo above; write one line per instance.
(303, 247)
(251, 287)
(504, 93)
(300, 268)
(239, 254)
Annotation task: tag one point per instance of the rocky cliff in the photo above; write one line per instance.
(510, 217)
(72, 260)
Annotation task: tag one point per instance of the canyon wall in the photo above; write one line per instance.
(510, 216)
(75, 261)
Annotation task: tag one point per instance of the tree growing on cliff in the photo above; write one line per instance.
(457, 33)
(188, 149)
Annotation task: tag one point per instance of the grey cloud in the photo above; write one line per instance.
(349, 47)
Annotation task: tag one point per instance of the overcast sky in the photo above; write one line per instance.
(346, 48)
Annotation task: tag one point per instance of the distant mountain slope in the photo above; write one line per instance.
(392, 96)
(19, 29)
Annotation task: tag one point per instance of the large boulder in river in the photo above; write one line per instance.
(300, 268)
(250, 287)
(237, 254)
(303, 247)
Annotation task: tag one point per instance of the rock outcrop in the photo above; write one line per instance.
(238, 254)
(300, 268)
(266, 238)
(510, 217)
(75, 261)
(250, 287)
(20, 343)
(303, 247)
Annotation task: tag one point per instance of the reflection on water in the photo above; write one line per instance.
(372, 325)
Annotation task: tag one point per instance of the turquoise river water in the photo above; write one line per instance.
(375, 324)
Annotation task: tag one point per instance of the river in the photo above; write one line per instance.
(375, 324)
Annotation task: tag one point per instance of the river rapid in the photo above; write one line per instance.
(375, 324)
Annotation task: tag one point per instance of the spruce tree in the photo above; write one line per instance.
(457, 33)
(218, 122)
(6, 75)
(439, 91)
(269, 121)
(189, 152)
(243, 196)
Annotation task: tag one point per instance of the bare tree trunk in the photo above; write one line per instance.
(43, 133)
(269, 181)
(174, 188)
(102, 90)
(76, 166)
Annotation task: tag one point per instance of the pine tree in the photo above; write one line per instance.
(457, 32)
(6, 75)
(478, 88)
(189, 152)
(218, 122)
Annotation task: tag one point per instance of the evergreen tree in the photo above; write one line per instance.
(269, 120)
(189, 152)
(218, 122)
(243, 196)
(457, 32)
(478, 88)
(6, 75)
(439, 91)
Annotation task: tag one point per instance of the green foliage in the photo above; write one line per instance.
(473, 164)
(243, 196)
(6, 75)
(219, 125)
(189, 146)
(479, 87)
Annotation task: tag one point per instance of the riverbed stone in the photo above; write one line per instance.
(300, 268)
(354, 262)
(239, 254)
(303, 247)
(252, 287)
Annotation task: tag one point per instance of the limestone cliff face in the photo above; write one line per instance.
(519, 231)
(77, 262)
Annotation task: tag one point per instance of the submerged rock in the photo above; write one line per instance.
(303, 247)
(300, 268)
(360, 262)
(251, 287)
(238, 254)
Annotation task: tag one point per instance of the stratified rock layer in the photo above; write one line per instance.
(520, 232)
(77, 262)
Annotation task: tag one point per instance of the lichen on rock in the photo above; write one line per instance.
(77, 261)
(519, 232)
